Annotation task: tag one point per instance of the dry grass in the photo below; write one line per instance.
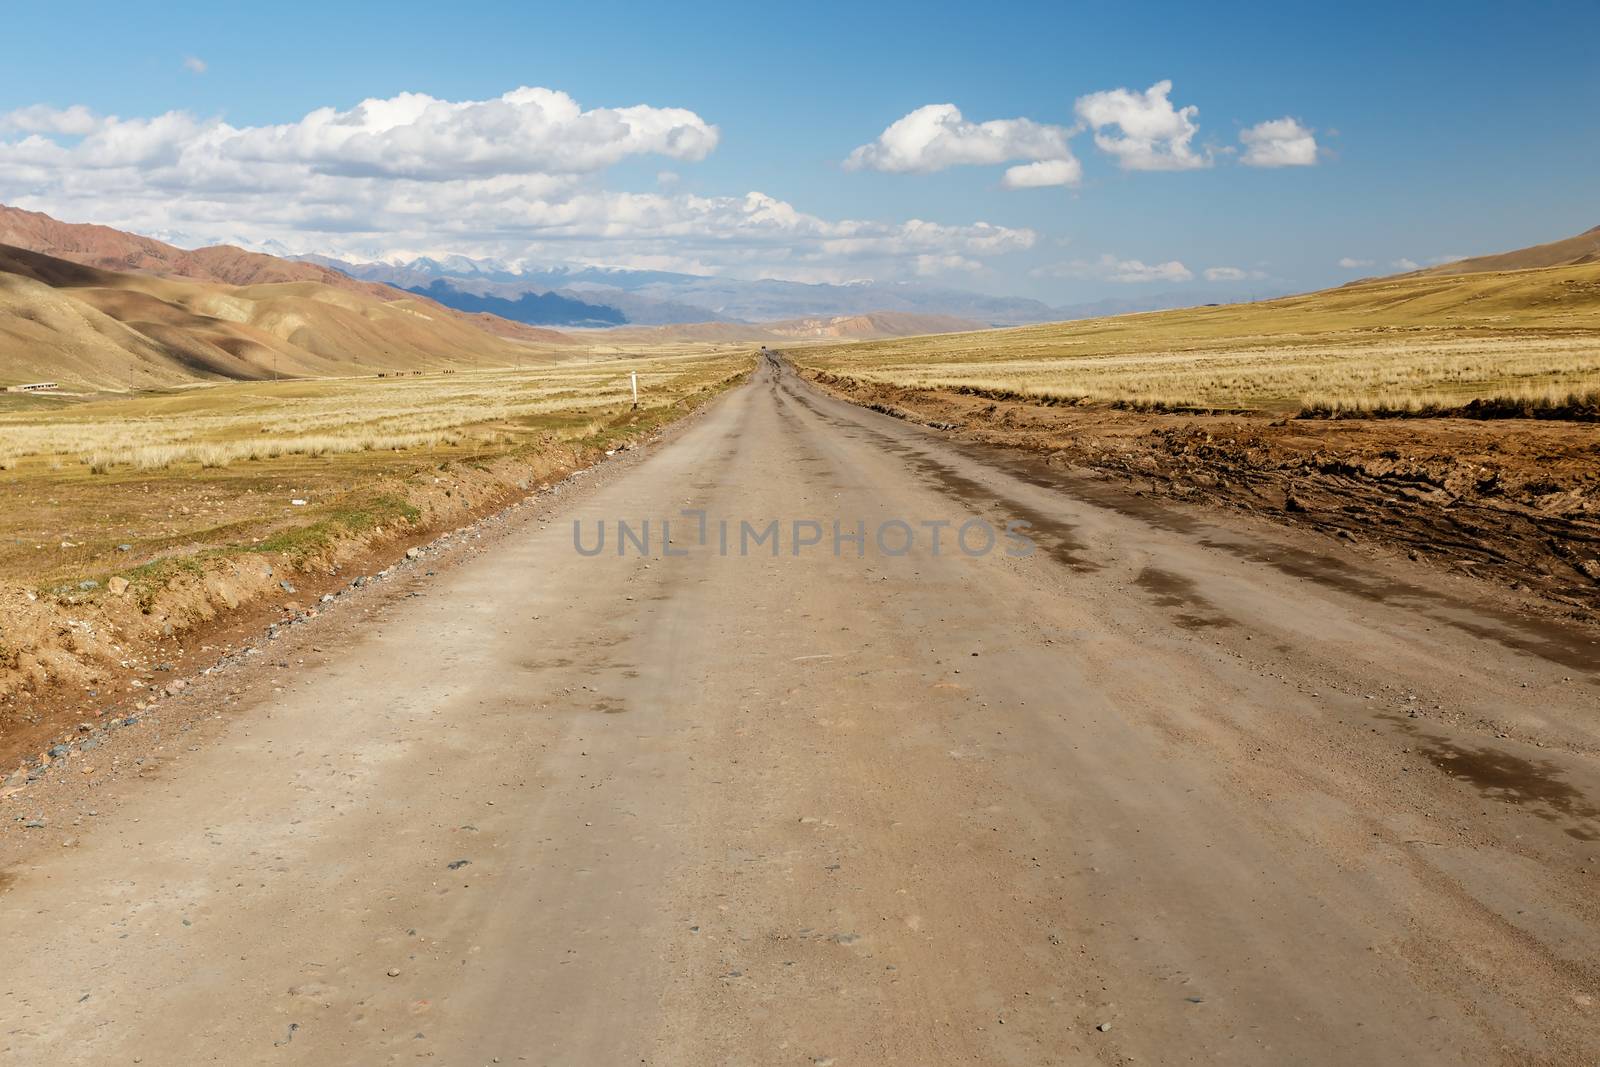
(193, 469)
(223, 453)
(1526, 404)
(1404, 343)
(218, 425)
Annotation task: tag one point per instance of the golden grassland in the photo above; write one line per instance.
(1397, 343)
(95, 482)
(215, 425)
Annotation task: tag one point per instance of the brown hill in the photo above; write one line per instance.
(1569, 252)
(89, 327)
(109, 249)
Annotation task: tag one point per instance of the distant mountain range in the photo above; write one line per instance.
(870, 326)
(97, 307)
(528, 308)
(657, 298)
(570, 296)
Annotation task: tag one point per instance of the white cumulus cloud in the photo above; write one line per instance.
(1278, 143)
(931, 265)
(937, 136)
(74, 121)
(1143, 130)
(1109, 268)
(412, 135)
(1044, 173)
(1132, 270)
(194, 64)
(860, 239)
(1351, 263)
(518, 177)
(526, 131)
(1404, 263)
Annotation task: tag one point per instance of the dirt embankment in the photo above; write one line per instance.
(1515, 501)
(112, 649)
(65, 660)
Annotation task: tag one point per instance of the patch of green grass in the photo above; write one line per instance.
(299, 543)
(294, 545)
(146, 581)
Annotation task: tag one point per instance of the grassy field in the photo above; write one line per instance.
(1392, 343)
(101, 485)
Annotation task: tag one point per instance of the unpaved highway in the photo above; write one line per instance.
(1172, 789)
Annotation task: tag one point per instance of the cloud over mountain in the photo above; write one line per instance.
(516, 176)
(1109, 268)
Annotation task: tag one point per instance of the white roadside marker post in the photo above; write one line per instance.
(634, 375)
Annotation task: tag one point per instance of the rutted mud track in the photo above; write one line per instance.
(1515, 501)
(1174, 787)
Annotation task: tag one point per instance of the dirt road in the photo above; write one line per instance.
(1171, 789)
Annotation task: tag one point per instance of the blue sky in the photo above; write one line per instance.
(1438, 130)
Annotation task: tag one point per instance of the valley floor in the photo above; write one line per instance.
(1176, 787)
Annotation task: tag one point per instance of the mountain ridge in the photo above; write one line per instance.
(91, 328)
(553, 308)
(876, 325)
(118, 250)
(1564, 252)
(656, 298)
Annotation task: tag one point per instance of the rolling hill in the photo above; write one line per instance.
(91, 328)
(1554, 301)
(1396, 343)
(1569, 252)
(115, 250)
